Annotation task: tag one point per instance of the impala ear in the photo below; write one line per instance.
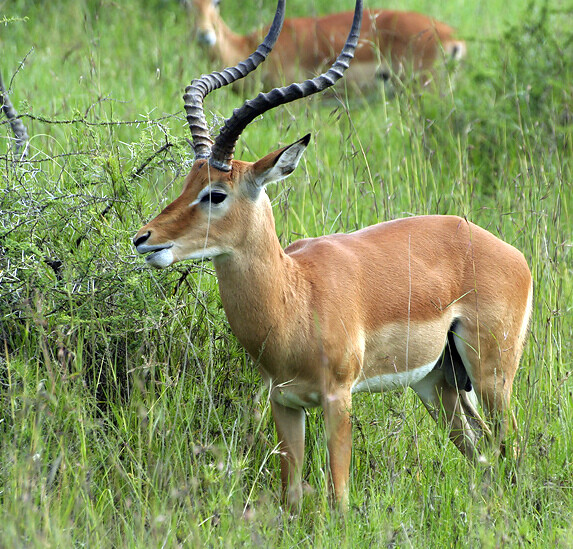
(278, 164)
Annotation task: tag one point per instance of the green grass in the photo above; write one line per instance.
(129, 414)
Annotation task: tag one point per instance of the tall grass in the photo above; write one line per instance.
(129, 414)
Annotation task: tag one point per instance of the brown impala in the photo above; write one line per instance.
(435, 302)
(391, 43)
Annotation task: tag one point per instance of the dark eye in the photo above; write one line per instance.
(214, 197)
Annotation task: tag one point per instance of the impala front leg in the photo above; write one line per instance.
(337, 408)
(289, 423)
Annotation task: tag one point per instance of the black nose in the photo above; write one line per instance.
(141, 239)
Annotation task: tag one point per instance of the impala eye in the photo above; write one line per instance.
(214, 197)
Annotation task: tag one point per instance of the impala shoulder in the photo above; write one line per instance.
(325, 257)
(330, 243)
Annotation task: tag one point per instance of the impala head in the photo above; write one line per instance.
(206, 16)
(216, 209)
(222, 197)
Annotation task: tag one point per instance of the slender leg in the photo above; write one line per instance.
(493, 372)
(447, 406)
(289, 423)
(337, 408)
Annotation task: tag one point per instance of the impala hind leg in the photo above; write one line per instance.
(453, 409)
(492, 371)
(289, 423)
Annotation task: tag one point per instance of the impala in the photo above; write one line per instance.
(435, 302)
(391, 43)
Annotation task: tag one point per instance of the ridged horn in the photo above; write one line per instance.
(20, 133)
(224, 146)
(200, 87)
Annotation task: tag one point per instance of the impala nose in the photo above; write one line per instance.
(138, 240)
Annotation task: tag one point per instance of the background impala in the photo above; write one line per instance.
(433, 302)
(391, 43)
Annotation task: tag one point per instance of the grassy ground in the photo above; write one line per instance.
(129, 414)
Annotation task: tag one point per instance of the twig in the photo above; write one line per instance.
(83, 120)
(137, 173)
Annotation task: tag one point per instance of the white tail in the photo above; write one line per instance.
(391, 43)
(435, 303)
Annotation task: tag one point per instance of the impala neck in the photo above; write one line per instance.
(261, 287)
(233, 48)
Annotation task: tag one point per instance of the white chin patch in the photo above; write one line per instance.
(208, 38)
(161, 259)
(211, 39)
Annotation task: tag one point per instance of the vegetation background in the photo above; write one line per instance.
(129, 414)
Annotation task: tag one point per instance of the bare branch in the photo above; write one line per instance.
(20, 133)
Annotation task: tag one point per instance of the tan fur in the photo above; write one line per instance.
(391, 43)
(328, 312)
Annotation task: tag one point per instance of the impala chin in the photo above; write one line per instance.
(161, 259)
(166, 257)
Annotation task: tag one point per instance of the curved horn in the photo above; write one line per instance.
(20, 133)
(200, 87)
(224, 147)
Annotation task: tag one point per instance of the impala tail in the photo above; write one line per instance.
(455, 50)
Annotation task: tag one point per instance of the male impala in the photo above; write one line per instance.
(435, 303)
(391, 43)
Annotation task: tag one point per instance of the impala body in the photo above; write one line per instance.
(434, 302)
(392, 43)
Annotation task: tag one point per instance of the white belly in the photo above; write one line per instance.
(388, 382)
(296, 398)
